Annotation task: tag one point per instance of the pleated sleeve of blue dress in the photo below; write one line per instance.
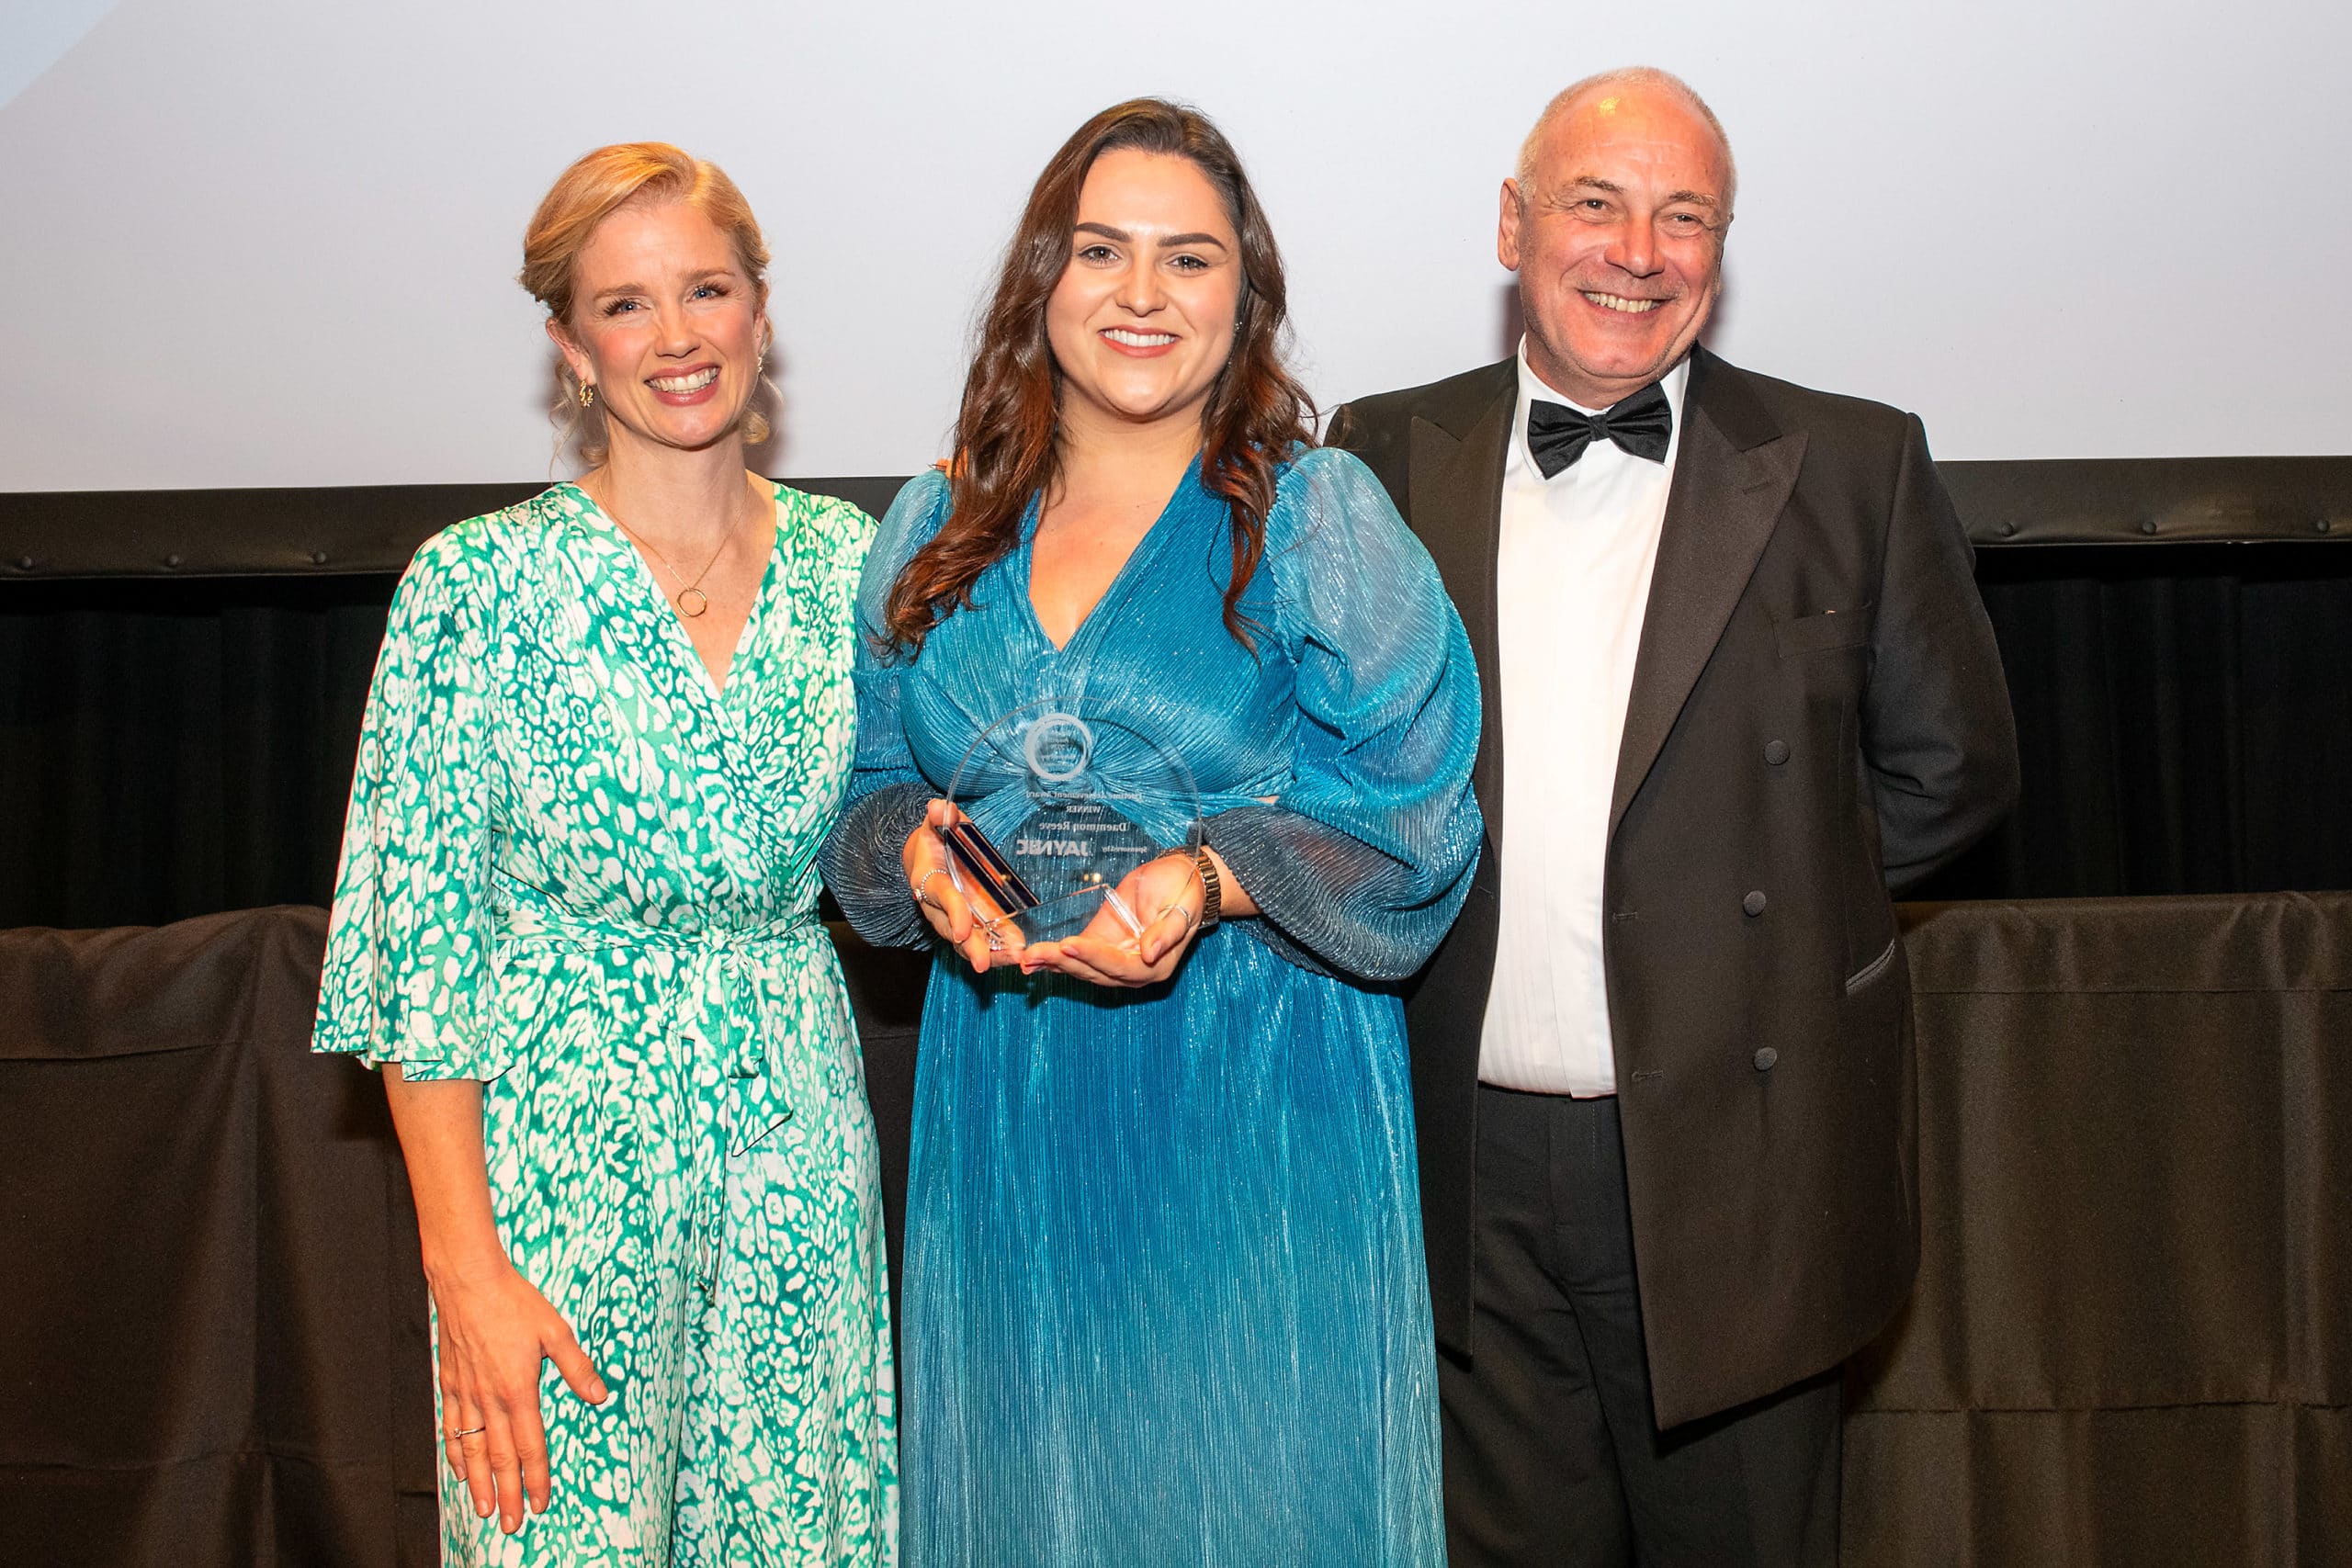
(886, 792)
(1363, 860)
(407, 971)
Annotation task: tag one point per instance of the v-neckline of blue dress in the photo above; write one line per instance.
(1123, 581)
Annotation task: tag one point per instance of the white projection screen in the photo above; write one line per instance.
(269, 242)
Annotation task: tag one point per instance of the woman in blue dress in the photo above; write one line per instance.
(1164, 1298)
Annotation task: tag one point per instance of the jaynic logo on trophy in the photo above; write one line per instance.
(1066, 848)
(1058, 802)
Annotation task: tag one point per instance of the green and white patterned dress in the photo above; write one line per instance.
(578, 871)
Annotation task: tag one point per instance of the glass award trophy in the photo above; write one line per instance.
(1059, 801)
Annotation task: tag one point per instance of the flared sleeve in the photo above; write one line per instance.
(407, 974)
(886, 792)
(1364, 859)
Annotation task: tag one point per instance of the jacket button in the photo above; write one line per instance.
(1776, 751)
(1767, 1059)
(1753, 903)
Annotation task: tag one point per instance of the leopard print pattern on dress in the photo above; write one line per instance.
(577, 870)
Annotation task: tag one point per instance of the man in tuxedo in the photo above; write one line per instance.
(1738, 684)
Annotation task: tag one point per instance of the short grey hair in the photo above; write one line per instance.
(1628, 76)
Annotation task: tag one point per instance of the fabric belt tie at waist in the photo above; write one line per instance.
(718, 998)
(716, 990)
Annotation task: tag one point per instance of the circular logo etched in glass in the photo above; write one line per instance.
(1057, 747)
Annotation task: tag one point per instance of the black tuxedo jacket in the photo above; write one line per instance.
(1817, 714)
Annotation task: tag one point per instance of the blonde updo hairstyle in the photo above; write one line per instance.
(591, 190)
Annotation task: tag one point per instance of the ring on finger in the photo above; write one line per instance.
(996, 939)
(1191, 920)
(923, 889)
(469, 1431)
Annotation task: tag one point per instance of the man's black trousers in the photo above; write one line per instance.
(1551, 1455)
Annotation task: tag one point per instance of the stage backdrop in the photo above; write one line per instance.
(262, 243)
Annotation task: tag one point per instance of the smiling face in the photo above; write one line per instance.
(666, 325)
(1617, 236)
(1143, 318)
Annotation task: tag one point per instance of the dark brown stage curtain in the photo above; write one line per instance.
(2131, 1339)
(212, 1320)
(2131, 1343)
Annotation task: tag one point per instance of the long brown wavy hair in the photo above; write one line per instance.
(1005, 446)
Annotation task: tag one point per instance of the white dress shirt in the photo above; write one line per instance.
(1572, 583)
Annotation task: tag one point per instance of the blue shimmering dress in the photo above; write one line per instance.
(1164, 1300)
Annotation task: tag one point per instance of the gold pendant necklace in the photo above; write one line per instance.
(691, 601)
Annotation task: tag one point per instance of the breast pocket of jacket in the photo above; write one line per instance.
(1824, 632)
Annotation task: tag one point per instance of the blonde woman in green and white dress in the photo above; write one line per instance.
(575, 925)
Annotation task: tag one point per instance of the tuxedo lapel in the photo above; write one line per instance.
(1732, 477)
(1456, 465)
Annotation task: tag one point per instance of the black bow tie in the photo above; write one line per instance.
(1642, 424)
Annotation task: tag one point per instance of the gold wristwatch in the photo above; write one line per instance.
(1212, 889)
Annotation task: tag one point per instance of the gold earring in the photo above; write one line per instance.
(587, 393)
